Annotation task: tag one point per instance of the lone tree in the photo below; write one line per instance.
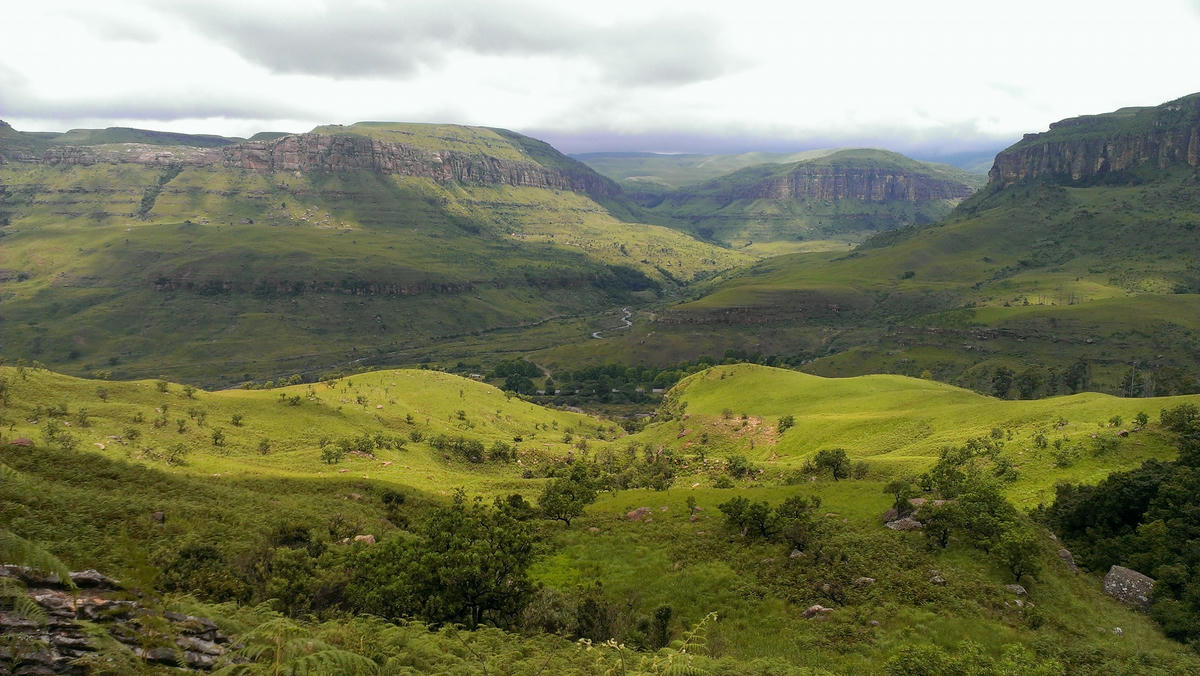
(835, 461)
(564, 498)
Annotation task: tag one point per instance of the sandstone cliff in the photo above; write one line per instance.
(319, 152)
(325, 152)
(862, 174)
(1086, 148)
(871, 184)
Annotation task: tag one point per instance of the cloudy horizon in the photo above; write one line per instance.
(937, 78)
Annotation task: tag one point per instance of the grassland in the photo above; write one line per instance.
(92, 505)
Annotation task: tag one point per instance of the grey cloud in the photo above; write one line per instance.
(354, 41)
(17, 99)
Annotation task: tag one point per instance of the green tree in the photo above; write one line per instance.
(467, 563)
(565, 497)
(835, 461)
(1002, 382)
(1017, 549)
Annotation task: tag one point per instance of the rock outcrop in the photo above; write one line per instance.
(61, 645)
(1085, 148)
(821, 182)
(330, 153)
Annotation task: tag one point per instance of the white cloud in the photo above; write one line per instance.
(895, 74)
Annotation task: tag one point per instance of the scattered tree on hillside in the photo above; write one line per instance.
(1002, 382)
(833, 460)
(564, 498)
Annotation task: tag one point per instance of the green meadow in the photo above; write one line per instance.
(144, 446)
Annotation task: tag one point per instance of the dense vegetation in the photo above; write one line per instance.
(1147, 519)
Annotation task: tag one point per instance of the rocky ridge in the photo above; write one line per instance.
(329, 153)
(819, 182)
(1085, 148)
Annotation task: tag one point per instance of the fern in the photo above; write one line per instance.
(279, 646)
(16, 550)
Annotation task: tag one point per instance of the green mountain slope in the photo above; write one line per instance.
(242, 515)
(347, 248)
(1032, 276)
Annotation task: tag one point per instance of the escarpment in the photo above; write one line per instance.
(852, 183)
(332, 153)
(1087, 148)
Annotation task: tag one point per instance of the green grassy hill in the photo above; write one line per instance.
(219, 275)
(90, 500)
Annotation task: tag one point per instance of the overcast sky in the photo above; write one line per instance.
(920, 76)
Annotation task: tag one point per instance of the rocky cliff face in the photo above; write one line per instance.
(1085, 148)
(320, 152)
(867, 184)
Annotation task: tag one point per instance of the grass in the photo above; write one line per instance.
(101, 496)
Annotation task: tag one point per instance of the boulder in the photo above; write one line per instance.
(1016, 589)
(637, 514)
(864, 581)
(907, 523)
(93, 579)
(816, 610)
(21, 441)
(1066, 557)
(365, 539)
(1129, 586)
(938, 580)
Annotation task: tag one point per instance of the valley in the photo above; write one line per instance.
(399, 398)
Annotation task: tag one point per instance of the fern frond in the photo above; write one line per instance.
(16, 550)
(10, 475)
(331, 661)
(27, 608)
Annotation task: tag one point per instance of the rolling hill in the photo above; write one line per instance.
(243, 485)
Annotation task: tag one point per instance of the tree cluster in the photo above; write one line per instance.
(1147, 519)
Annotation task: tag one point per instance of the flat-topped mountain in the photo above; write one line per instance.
(820, 202)
(858, 174)
(1107, 146)
(445, 153)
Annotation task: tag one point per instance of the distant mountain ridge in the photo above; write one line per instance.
(823, 201)
(861, 174)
